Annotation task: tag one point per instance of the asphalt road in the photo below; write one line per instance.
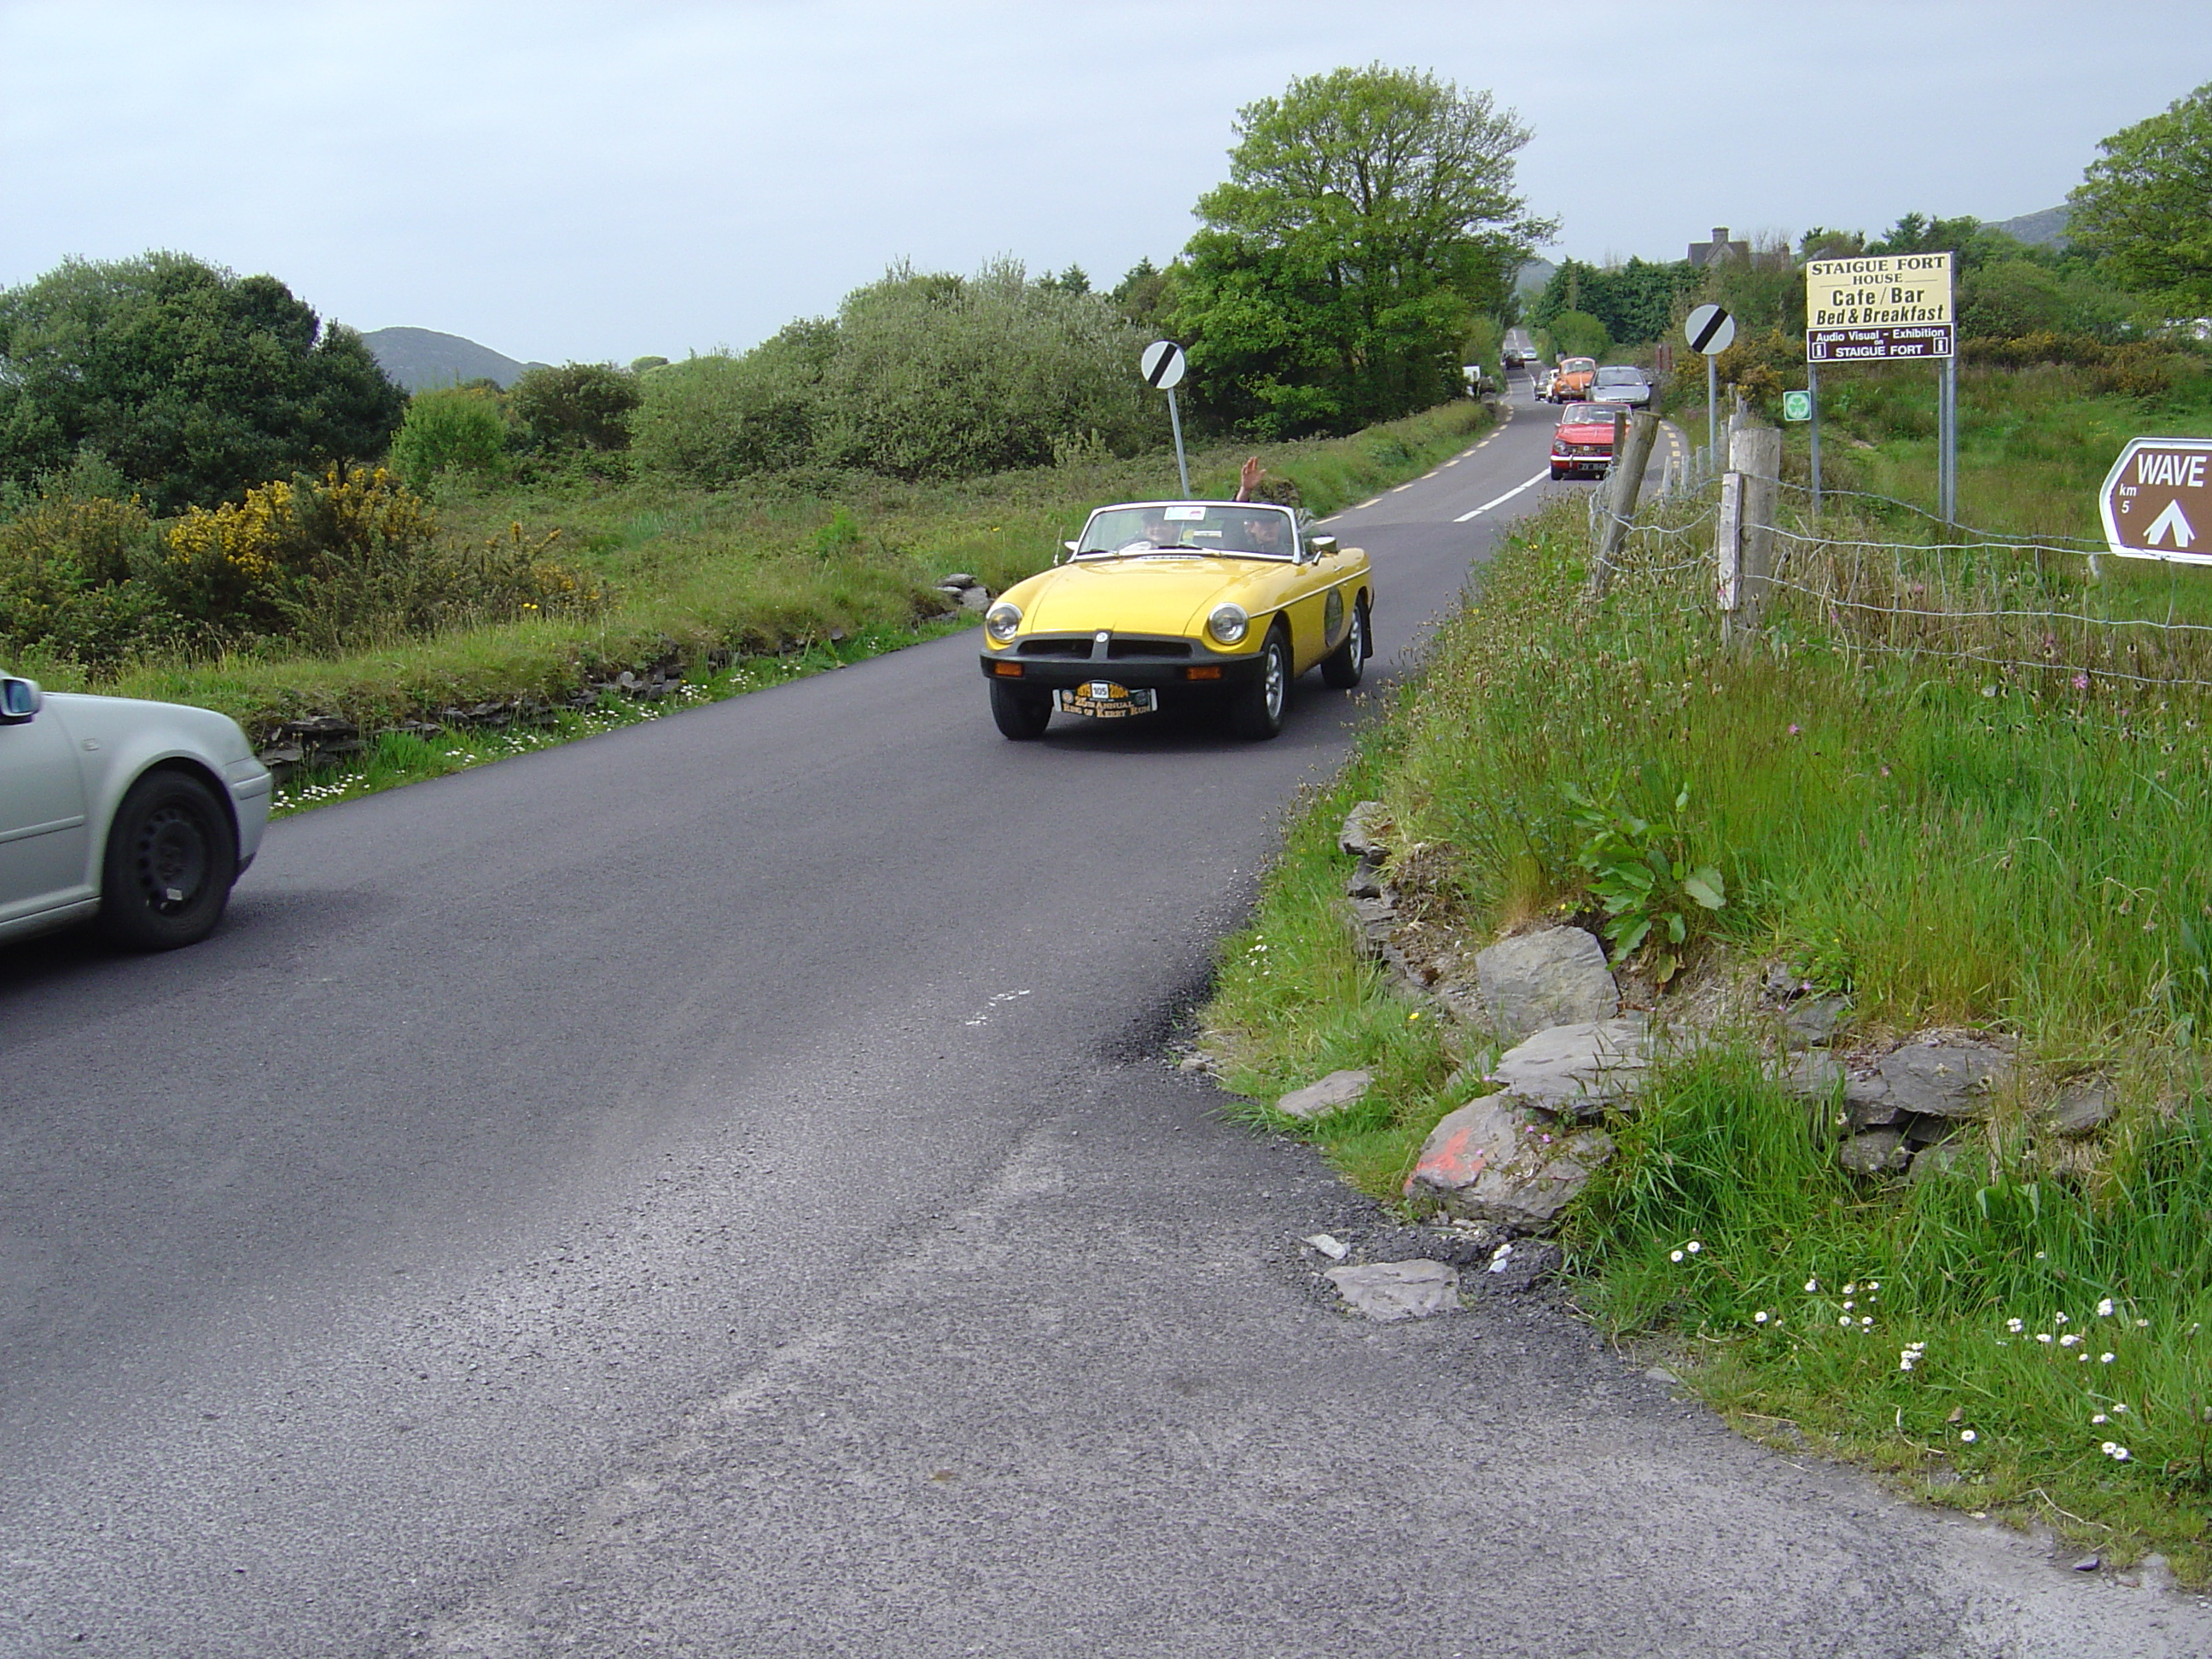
(713, 1189)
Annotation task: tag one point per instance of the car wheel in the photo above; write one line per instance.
(1340, 669)
(171, 858)
(1558, 473)
(1022, 714)
(1257, 713)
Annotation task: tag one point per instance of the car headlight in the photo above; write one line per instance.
(1002, 621)
(1228, 624)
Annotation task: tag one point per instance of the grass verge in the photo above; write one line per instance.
(2021, 1334)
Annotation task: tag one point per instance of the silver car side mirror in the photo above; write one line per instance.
(1321, 546)
(20, 700)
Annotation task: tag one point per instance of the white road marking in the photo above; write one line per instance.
(1364, 506)
(1402, 488)
(1507, 496)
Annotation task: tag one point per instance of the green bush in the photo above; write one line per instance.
(945, 376)
(716, 419)
(577, 406)
(450, 429)
(919, 376)
(77, 582)
(1578, 334)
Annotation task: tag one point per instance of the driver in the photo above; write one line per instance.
(1263, 532)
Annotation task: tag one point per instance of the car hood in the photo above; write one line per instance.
(1149, 594)
(1585, 432)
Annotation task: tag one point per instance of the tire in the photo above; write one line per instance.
(1022, 714)
(1257, 713)
(1340, 669)
(1557, 475)
(170, 860)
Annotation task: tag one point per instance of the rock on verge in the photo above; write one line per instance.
(1945, 1079)
(1555, 977)
(1332, 1093)
(1579, 1070)
(1489, 1163)
(1389, 1290)
(1363, 836)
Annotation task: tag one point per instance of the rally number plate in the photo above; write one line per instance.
(1105, 701)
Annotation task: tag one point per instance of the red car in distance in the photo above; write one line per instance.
(1583, 445)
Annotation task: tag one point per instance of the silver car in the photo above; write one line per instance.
(1622, 383)
(141, 814)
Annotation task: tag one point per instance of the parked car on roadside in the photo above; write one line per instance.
(1185, 602)
(1621, 383)
(139, 814)
(1584, 442)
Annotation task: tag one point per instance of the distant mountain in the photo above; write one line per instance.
(2037, 230)
(420, 357)
(1533, 276)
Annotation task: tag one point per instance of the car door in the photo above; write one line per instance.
(44, 839)
(1316, 623)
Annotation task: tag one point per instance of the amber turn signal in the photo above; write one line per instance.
(1011, 671)
(1211, 672)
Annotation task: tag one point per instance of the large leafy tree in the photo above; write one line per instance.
(1369, 216)
(194, 382)
(2145, 206)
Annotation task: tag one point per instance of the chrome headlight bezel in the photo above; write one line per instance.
(1002, 621)
(1228, 624)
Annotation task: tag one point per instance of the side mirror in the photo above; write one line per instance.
(1321, 546)
(20, 700)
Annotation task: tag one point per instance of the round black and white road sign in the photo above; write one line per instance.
(1709, 329)
(1162, 364)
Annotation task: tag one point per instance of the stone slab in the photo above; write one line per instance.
(1578, 1070)
(1533, 982)
(1332, 1094)
(1387, 1291)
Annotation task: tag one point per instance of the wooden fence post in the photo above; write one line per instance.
(1755, 452)
(1631, 456)
(1728, 553)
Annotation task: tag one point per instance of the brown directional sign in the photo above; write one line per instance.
(2157, 500)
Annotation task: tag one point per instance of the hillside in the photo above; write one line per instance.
(420, 357)
(2037, 230)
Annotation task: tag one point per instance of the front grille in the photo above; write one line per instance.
(1076, 647)
(1119, 649)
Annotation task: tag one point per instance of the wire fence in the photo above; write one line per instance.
(1872, 574)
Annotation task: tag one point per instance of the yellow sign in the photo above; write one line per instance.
(1888, 290)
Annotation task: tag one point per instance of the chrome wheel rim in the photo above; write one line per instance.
(1272, 680)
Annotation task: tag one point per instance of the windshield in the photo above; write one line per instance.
(1245, 529)
(1620, 377)
(1590, 415)
(1577, 365)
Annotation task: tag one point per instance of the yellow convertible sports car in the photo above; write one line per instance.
(1226, 602)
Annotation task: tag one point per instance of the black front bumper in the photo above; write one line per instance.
(1046, 663)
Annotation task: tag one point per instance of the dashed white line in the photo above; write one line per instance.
(1372, 501)
(1506, 497)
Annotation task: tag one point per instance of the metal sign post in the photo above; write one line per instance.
(1710, 329)
(1885, 308)
(1162, 365)
(1806, 406)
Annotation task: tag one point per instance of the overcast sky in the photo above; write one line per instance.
(600, 181)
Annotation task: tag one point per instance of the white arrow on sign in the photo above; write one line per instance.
(2172, 522)
(1162, 365)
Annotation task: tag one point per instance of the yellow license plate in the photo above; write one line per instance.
(1103, 700)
